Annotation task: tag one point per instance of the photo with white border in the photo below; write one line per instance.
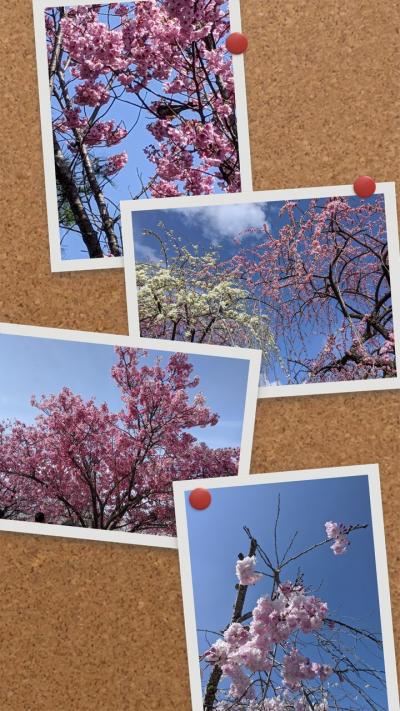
(94, 427)
(257, 534)
(371, 362)
(102, 166)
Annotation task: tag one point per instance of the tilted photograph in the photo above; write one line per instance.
(94, 430)
(307, 280)
(138, 100)
(286, 593)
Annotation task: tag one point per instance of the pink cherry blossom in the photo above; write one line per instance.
(339, 532)
(245, 571)
(340, 545)
(115, 163)
(82, 463)
(145, 56)
(273, 621)
(104, 132)
(284, 653)
(91, 93)
(296, 667)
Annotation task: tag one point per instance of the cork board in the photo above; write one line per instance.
(100, 626)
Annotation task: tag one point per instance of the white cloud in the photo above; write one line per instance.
(219, 222)
(146, 253)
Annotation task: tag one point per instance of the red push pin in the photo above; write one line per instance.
(237, 43)
(200, 499)
(364, 186)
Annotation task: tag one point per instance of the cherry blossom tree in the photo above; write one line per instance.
(327, 273)
(160, 61)
(289, 652)
(315, 296)
(83, 465)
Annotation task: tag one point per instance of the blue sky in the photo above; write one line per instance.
(214, 225)
(218, 226)
(347, 582)
(35, 366)
(208, 227)
(126, 182)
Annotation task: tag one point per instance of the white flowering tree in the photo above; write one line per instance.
(187, 296)
(290, 653)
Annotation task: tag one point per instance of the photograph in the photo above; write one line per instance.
(286, 593)
(138, 100)
(304, 275)
(93, 430)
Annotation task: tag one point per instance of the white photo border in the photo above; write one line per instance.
(378, 532)
(143, 539)
(67, 265)
(272, 391)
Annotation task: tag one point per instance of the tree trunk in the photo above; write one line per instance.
(63, 172)
(107, 221)
(56, 54)
(215, 677)
(66, 180)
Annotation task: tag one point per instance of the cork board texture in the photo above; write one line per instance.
(100, 626)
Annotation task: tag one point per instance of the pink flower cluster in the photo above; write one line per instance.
(296, 668)
(327, 252)
(123, 47)
(337, 531)
(303, 705)
(115, 163)
(273, 621)
(91, 93)
(388, 346)
(109, 468)
(245, 571)
(276, 703)
(94, 48)
(105, 132)
(120, 9)
(286, 702)
(72, 119)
